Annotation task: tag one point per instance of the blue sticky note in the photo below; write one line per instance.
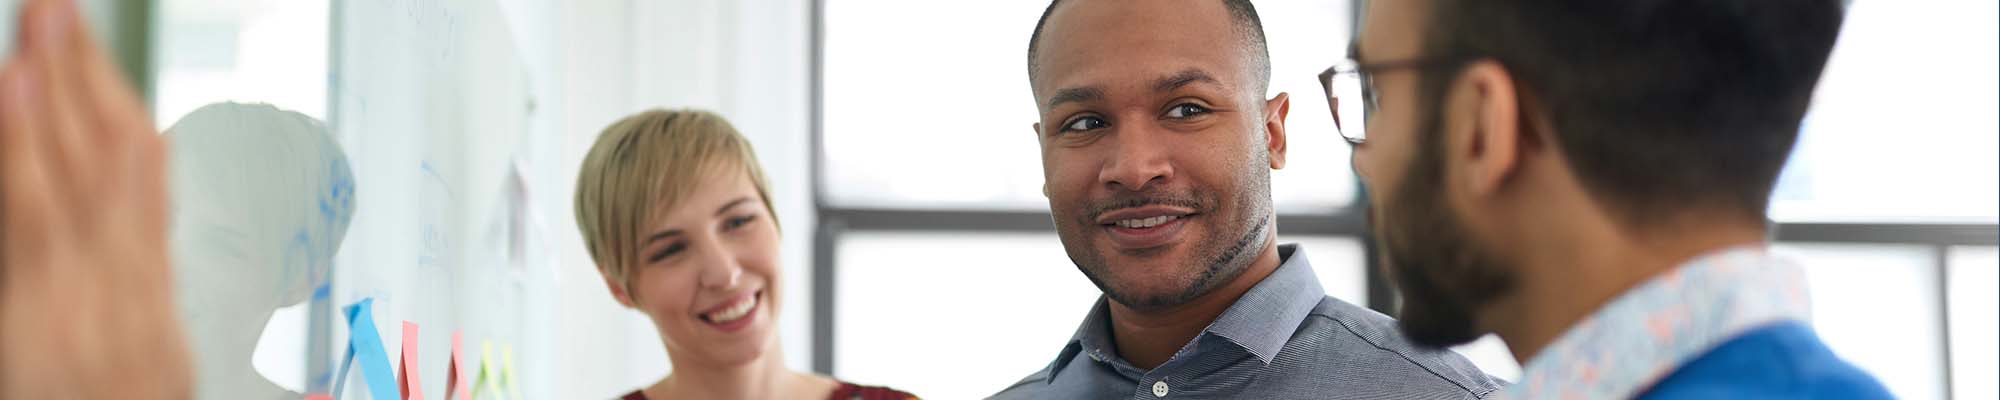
(366, 342)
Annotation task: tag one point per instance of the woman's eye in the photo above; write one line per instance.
(737, 222)
(1083, 124)
(1186, 110)
(669, 251)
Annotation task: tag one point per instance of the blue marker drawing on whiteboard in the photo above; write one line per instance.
(434, 228)
(262, 199)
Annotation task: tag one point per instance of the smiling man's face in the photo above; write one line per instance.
(1155, 147)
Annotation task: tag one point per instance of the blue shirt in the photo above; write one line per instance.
(1728, 324)
(1781, 361)
(1284, 339)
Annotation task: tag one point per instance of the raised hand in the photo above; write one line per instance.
(85, 305)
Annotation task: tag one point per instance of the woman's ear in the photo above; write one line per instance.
(618, 291)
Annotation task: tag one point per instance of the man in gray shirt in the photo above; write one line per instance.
(1157, 148)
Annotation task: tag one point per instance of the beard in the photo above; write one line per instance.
(1235, 235)
(1215, 263)
(1444, 275)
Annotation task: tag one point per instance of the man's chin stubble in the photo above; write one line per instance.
(1223, 267)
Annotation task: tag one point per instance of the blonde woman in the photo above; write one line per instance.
(677, 214)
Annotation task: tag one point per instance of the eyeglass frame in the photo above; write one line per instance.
(1363, 73)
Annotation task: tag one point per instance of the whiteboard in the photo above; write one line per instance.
(432, 102)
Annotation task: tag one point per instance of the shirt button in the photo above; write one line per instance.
(1160, 388)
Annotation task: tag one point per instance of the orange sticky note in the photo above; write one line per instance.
(406, 379)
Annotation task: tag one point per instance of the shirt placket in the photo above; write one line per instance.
(1161, 384)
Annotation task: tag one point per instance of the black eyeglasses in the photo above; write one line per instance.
(1354, 81)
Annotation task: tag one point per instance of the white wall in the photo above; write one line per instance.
(749, 61)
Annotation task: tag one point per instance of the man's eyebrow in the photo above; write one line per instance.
(1183, 78)
(1166, 84)
(1076, 94)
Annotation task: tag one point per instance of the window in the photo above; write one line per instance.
(954, 83)
(1972, 289)
(1877, 306)
(263, 51)
(1894, 135)
(1006, 300)
(977, 148)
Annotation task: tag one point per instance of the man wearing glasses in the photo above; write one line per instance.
(1588, 180)
(1157, 147)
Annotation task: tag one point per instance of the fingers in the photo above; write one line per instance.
(150, 189)
(83, 220)
(25, 203)
(81, 144)
(126, 159)
(104, 85)
(115, 169)
(101, 139)
(92, 75)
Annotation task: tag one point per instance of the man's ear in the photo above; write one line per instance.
(617, 291)
(1494, 153)
(1038, 138)
(1275, 111)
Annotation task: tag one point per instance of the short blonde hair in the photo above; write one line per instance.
(646, 164)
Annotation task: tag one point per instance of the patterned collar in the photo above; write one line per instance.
(1650, 331)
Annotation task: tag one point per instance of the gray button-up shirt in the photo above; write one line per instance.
(1284, 339)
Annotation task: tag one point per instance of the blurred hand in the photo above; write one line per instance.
(85, 305)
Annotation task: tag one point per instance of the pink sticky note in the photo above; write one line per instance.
(405, 378)
(456, 387)
(318, 397)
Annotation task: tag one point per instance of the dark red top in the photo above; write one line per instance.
(846, 391)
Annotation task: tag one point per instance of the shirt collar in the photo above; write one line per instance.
(1092, 336)
(1261, 322)
(1649, 331)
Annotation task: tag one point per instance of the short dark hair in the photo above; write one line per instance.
(1247, 24)
(1661, 106)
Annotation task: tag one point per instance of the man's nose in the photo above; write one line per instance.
(1142, 157)
(1358, 159)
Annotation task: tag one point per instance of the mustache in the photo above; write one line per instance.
(1141, 199)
